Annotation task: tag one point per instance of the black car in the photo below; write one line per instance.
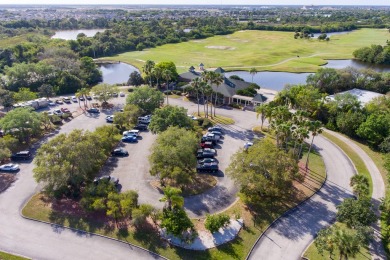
(23, 155)
(206, 153)
(120, 152)
(208, 139)
(207, 167)
(93, 110)
(216, 128)
(141, 127)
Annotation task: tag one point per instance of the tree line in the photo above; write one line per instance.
(375, 54)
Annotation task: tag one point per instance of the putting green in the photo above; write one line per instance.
(264, 50)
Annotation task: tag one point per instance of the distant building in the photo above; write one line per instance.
(227, 89)
(364, 96)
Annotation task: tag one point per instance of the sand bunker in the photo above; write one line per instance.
(221, 47)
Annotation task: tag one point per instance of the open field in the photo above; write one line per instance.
(265, 50)
(39, 208)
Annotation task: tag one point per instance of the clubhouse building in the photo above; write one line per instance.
(227, 89)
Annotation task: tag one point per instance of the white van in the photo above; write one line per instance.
(131, 132)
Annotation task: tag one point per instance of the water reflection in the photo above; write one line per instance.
(72, 34)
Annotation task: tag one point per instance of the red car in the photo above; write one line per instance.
(65, 110)
(207, 145)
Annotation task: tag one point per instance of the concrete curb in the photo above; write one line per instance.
(89, 233)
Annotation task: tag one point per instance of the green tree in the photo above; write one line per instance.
(375, 129)
(196, 85)
(263, 172)
(104, 92)
(89, 71)
(47, 91)
(167, 75)
(22, 123)
(355, 213)
(157, 74)
(360, 185)
(24, 94)
(82, 93)
(173, 156)
(169, 116)
(147, 69)
(141, 213)
(172, 198)
(176, 222)
(147, 99)
(168, 65)
(315, 129)
(135, 79)
(5, 152)
(67, 161)
(214, 222)
(253, 72)
(6, 98)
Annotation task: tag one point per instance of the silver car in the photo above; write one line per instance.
(10, 167)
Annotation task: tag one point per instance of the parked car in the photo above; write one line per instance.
(58, 112)
(93, 110)
(52, 103)
(20, 156)
(115, 94)
(130, 139)
(66, 100)
(207, 167)
(192, 117)
(89, 98)
(74, 99)
(59, 101)
(119, 152)
(141, 127)
(10, 167)
(81, 98)
(216, 128)
(134, 132)
(121, 94)
(213, 136)
(207, 144)
(216, 133)
(1, 133)
(143, 120)
(206, 153)
(208, 139)
(65, 110)
(110, 119)
(114, 180)
(208, 160)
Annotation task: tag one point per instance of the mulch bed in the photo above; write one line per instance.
(6, 179)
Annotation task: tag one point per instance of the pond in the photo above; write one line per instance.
(72, 34)
(116, 73)
(119, 73)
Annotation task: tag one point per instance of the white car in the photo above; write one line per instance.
(247, 145)
(110, 119)
(74, 99)
(9, 167)
(58, 112)
(52, 103)
(192, 117)
(121, 94)
(131, 132)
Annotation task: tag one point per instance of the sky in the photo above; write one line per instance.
(200, 2)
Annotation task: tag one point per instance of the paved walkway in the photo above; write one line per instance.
(206, 240)
(378, 191)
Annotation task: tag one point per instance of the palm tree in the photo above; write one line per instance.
(262, 109)
(157, 73)
(253, 72)
(167, 75)
(347, 244)
(195, 84)
(147, 69)
(83, 92)
(359, 184)
(172, 197)
(216, 79)
(315, 129)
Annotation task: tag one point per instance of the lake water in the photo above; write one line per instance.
(116, 73)
(72, 34)
(120, 72)
(331, 34)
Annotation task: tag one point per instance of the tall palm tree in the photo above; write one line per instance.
(83, 92)
(195, 84)
(253, 72)
(157, 73)
(147, 69)
(217, 80)
(172, 197)
(167, 75)
(262, 110)
(315, 129)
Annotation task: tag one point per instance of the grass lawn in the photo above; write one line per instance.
(6, 256)
(312, 253)
(355, 158)
(264, 50)
(255, 223)
(218, 119)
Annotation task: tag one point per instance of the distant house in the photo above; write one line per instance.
(364, 96)
(227, 89)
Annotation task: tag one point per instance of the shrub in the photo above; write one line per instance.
(206, 123)
(214, 222)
